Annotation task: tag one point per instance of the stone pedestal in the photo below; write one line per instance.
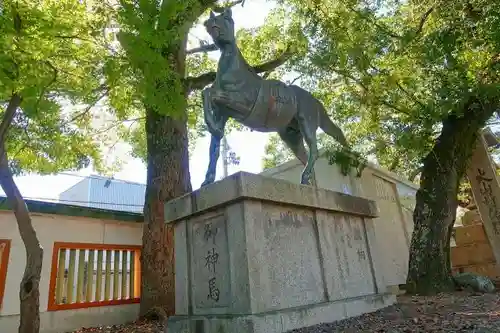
(257, 254)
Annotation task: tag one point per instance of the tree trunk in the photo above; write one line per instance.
(168, 171)
(429, 269)
(168, 177)
(29, 293)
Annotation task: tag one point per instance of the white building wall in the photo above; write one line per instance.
(60, 228)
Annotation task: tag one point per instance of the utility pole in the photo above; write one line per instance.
(225, 155)
(228, 157)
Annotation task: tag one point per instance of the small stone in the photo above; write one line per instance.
(477, 283)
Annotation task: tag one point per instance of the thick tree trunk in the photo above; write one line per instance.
(168, 172)
(29, 293)
(168, 178)
(429, 268)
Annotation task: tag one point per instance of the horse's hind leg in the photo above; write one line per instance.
(309, 132)
(294, 140)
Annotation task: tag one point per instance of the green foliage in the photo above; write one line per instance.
(465, 196)
(269, 41)
(135, 135)
(197, 64)
(391, 72)
(145, 71)
(275, 153)
(152, 33)
(52, 54)
(347, 160)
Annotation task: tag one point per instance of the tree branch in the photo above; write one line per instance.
(203, 48)
(365, 88)
(411, 96)
(375, 23)
(295, 80)
(201, 81)
(423, 19)
(75, 37)
(52, 80)
(116, 124)
(229, 4)
(400, 86)
(266, 74)
(87, 109)
(28, 140)
(10, 112)
(420, 27)
(494, 60)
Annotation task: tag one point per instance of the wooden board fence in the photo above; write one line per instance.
(81, 270)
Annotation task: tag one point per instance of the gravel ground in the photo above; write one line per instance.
(457, 312)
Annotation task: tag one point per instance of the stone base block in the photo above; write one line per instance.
(256, 254)
(280, 321)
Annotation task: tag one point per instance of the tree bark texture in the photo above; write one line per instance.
(168, 177)
(167, 168)
(29, 293)
(429, 269)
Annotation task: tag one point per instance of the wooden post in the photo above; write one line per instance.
(61, 267)
(90, 276)
(116, 274)
(107, 276)
(70, 282)
(123, 294)
(98, 283)
(80, 276)
(486, 190)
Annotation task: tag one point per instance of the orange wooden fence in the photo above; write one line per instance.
(4, 262)
(88, 275)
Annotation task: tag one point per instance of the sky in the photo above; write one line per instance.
(249, 146)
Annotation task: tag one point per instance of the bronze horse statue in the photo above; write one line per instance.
(263, 105)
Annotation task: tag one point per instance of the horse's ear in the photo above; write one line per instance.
(228, 12)
(212, 15)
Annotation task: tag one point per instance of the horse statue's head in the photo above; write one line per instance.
(221, 27)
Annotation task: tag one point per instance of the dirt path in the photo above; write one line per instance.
(457, 312)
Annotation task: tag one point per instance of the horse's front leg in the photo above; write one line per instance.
(216, 124)
(214, 154)
(211, 115)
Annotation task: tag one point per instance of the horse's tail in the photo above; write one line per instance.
(324, 121)
(330, 128)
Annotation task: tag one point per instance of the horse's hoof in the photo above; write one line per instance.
(305, 181)
(207, 182)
